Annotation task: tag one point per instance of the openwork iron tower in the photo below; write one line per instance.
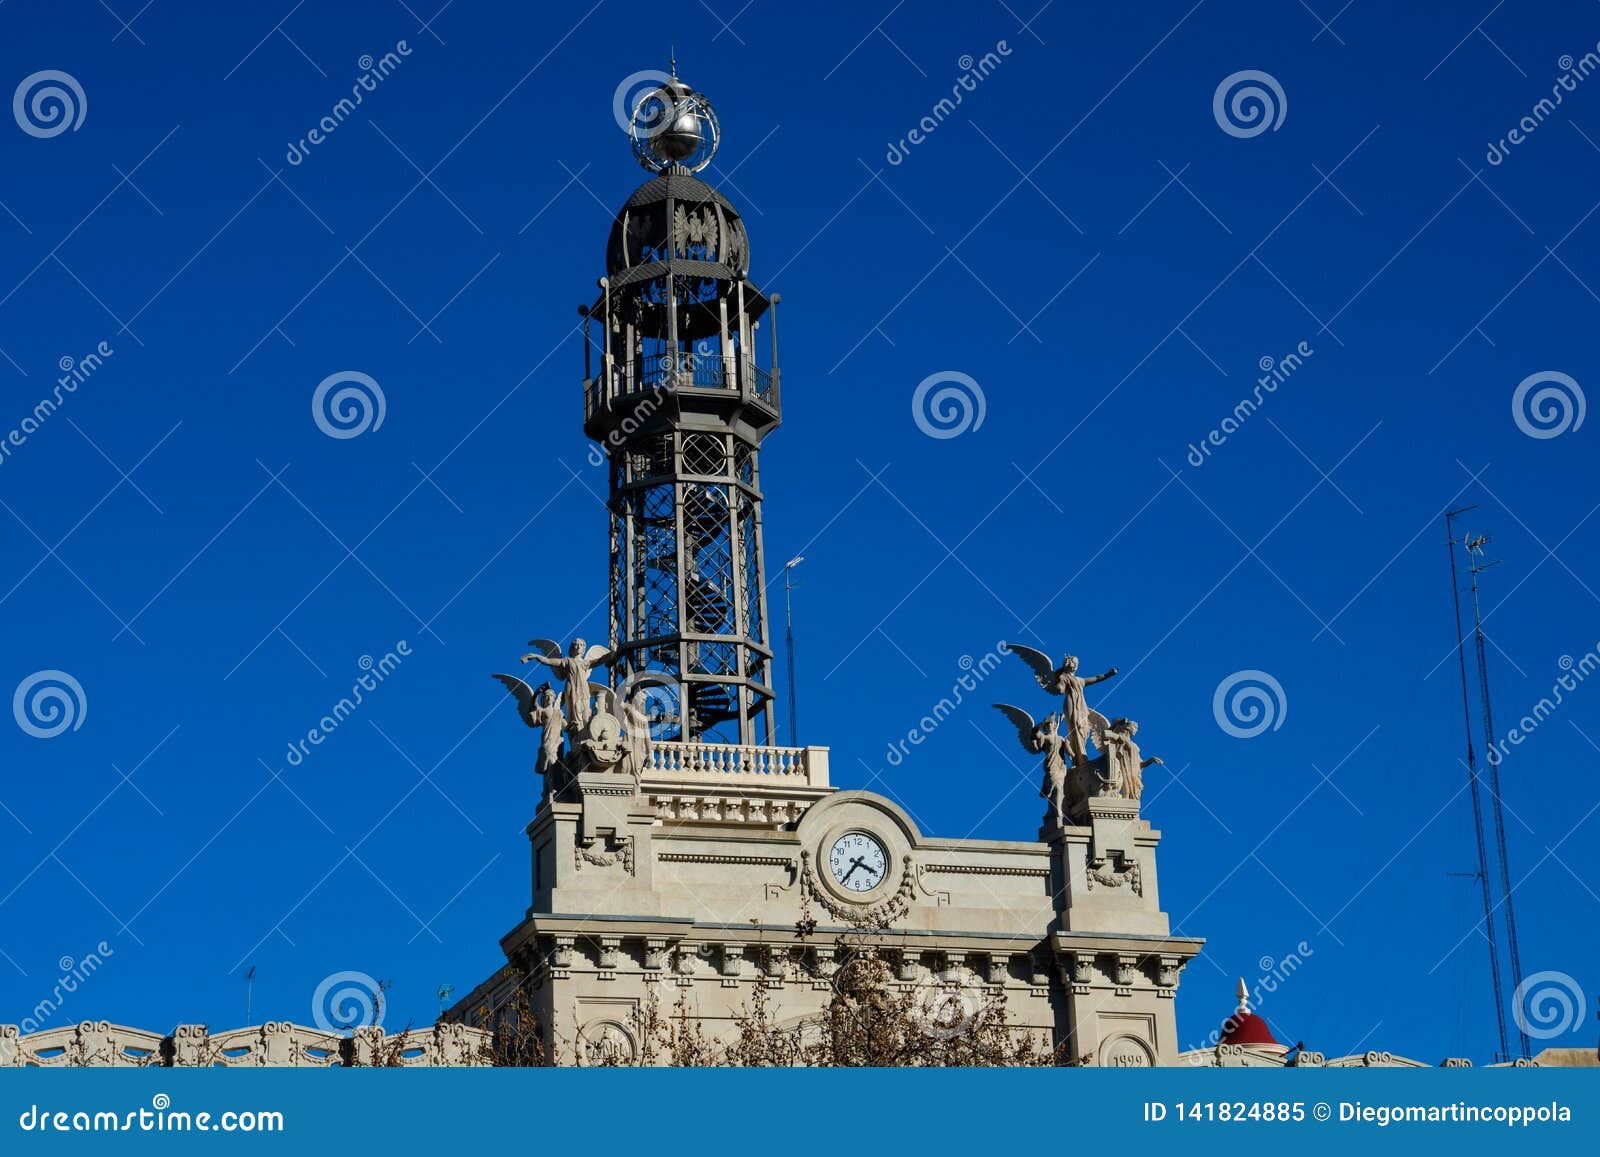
(677, 399)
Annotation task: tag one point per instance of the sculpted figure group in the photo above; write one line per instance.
(1063, 738)
(588, 727)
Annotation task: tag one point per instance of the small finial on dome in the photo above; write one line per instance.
(1243, 992)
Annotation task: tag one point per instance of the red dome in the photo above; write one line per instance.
(1246, 1028)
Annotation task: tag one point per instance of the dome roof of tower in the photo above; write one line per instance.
(678, 217)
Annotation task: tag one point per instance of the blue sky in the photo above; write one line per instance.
(1081, 237)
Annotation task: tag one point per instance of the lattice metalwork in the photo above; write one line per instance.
(675, 393)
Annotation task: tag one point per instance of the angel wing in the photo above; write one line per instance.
(1097, 723)
(523, 695)
(597, 655)
(549, 648)
(1024, 724)
(1043, 669)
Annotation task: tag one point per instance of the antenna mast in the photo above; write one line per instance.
(1472, 776)
(1491, 753)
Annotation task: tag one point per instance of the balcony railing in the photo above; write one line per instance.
(707, 764)
(701, 371)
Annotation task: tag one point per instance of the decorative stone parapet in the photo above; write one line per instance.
(276, 1044)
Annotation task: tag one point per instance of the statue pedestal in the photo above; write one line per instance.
(1105, 869)
(592, 851)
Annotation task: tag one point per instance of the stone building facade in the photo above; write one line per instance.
(695, 885)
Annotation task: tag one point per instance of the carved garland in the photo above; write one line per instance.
(585, 852)
(1109, 874)
(883, 914)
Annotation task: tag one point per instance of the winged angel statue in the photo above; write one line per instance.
(1045, 738)
(573, 670)
(1066, 682)
(1063, 738)
(608, 731)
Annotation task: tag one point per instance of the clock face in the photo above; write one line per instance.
(858, 862)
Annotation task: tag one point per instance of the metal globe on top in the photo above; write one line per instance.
(674, 127)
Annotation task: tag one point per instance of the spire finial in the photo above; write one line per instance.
(1243, 992)
(672, 61)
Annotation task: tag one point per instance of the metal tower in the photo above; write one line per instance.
(677, 399)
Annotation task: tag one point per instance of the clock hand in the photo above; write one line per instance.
(858, 862)
(854, 864)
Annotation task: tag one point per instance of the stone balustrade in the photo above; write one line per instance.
(276, 1044)
(736, 764)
